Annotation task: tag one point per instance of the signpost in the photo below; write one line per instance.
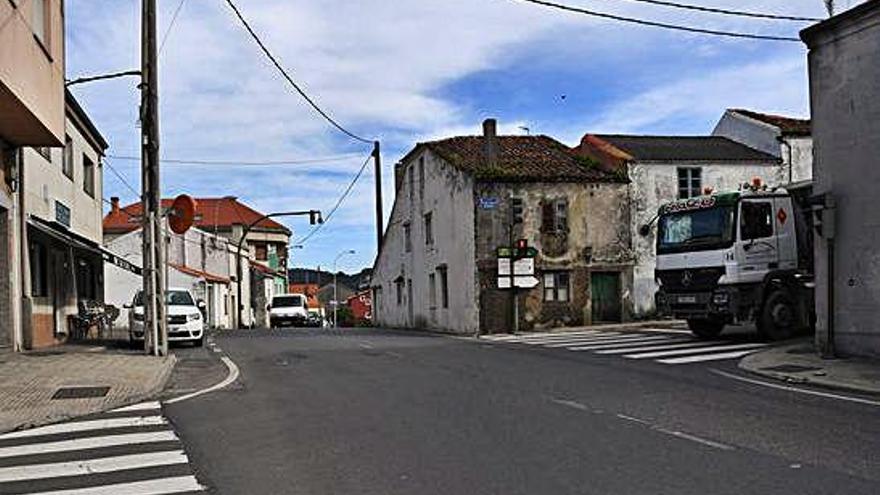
(516, 270)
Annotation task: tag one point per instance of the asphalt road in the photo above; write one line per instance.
(376, 412)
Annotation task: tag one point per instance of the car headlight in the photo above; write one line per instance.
(720, 298)
(138, 316)
(193, 317)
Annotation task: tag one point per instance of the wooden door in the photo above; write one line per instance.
(605, 297)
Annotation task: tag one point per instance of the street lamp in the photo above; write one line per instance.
(335, 293)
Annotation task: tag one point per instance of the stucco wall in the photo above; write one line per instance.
(448, 195)
(845, 101)
(656, 183)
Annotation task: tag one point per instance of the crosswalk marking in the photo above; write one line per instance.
(97, 424)
(661, 346)
(679, 352)
(91, 466)
(177, 484)
(131, 450)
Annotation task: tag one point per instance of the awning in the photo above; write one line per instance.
(63, 234)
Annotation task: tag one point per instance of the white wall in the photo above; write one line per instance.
(654, 184)
(448, 196)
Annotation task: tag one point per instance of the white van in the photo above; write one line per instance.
(289, 309)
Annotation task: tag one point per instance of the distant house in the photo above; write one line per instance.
(787, 138)
(438, 266)
(361, 306)
(227, 217)
(665, 168)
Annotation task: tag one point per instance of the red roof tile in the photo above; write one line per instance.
(787, 125)
(310, 291)
(221, 213)
(210, 277)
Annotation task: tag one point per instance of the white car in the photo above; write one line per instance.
(289, 309)
(185, 319)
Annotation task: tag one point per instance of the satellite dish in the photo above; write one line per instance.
(182, 214)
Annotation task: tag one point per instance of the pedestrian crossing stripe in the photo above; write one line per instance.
(671, 349)
(129, 450)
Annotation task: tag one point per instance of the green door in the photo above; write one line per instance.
(605, 297)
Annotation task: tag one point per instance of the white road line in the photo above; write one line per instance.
(706, 357)
(88, 443)
(572, 404)
(547, 340)
(584, 340)
(827, 395)
(230, 377)
(694, 438)
(632, 418)
(545, 334)
(666, 330)
(91, 466)
(614, 343)
(682, 352)
(658, 347)
(97, 424)
(143, 406)
(150, 487)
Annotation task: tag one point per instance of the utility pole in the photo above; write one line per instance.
(377, 160)
(829, 6)
(155, 322)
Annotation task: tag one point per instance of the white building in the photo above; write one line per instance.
(665, 168)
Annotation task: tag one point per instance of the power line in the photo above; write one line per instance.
(675, 27)
(113, 75)
(305, 161)
(121, 178)
(170, 25)
(290, 80)
(740, 13)
(345, 194)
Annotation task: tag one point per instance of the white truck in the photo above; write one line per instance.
(738, 258)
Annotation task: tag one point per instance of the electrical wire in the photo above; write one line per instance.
(740, 13)
(122, 179)
(344, 195)
(170, 25)
(244, 163)
(675, 27)
(290, 80)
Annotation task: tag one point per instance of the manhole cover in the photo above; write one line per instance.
(790, 368)
(80, 392)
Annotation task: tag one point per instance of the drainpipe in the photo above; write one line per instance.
(23, 336)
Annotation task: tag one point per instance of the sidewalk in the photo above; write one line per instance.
(799, 363)
(28, 382)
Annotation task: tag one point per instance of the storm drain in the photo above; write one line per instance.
(80, 392)
(790, 368)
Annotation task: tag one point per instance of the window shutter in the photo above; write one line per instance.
(548, 217)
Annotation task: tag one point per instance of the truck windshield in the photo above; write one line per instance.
(172, 298)
(287, 302)
(696, 230)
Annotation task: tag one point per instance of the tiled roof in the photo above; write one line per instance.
(680, 148)
(520, 159)
(210, 277)
(787, 125)
(310, 291)
(222, 213)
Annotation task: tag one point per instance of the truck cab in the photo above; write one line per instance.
(736, 258)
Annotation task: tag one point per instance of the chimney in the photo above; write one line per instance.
(114, 204)
(490, 142)
(398, 175)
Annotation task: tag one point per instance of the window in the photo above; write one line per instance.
(398, 285)
(444, 287)
(407, 237)
(422, 177)
(690, 182)
(88, 176)
(45, 152)
(556, 286)
(554, 216)
(39, 21)
(432, 291)
(429, 229)
(67, 162)
(261, 252)
(756, 221)
(39, 284)
(411, 183)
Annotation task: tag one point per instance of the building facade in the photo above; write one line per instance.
(845, 103)
(665, 168)
(438, 266)
(32, 113)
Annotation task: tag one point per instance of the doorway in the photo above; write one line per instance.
(605, 297)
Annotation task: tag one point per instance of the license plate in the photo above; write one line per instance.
(687, 299)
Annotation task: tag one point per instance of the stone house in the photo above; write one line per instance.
(665, 168)
(845, 104)
(437, 267)
(788, 139)
(32, 113)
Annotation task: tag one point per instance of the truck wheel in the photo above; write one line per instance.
(705, 329)
(778, 320)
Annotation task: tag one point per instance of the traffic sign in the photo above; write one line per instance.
(524, 266)
(510, 252)
(520, 281)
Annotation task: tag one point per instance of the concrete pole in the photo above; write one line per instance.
(377, 160)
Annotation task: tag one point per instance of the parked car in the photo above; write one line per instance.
(186, 322)
(288, 309)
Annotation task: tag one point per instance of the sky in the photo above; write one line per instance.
(406, 71)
